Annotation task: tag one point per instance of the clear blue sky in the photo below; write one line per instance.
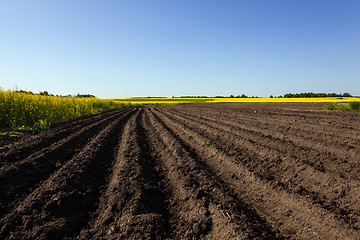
(180, 47)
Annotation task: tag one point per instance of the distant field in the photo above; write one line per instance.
(237, 100)
(164, 100)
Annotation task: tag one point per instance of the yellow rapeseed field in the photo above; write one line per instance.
(239, 100)
(286, 100)
(36, 111)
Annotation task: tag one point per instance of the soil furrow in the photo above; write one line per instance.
(62, 205)
(286, 135)
(296, 175)
(306, 112)
(197, 186)
(23, 149)
(329, 125)
(133, 205)
(21, 177)
(344, 164)
(283, 207)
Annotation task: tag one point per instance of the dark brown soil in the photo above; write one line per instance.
(205, 171)
(9, 136)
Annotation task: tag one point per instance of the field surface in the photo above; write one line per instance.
(202, 171)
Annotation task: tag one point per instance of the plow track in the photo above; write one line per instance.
(222, 171)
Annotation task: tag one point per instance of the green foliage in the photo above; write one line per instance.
(84, 96)
(345, 107)
(311, 94)
(355, 106)
(46, 93)
(40, 126)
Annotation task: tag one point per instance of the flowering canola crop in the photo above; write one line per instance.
(239, 100)
(28, 110)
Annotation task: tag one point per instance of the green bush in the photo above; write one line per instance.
(355, 106)
(345, 107)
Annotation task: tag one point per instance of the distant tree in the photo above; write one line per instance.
(84, 96)
(44, 93)
(22, 91)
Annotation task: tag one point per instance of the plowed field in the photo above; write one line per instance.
(221, 171)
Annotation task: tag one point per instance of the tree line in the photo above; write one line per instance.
(46, 93)
(288, 95)
(314, 95)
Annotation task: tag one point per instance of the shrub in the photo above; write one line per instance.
(355, 106)
(345, 107)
